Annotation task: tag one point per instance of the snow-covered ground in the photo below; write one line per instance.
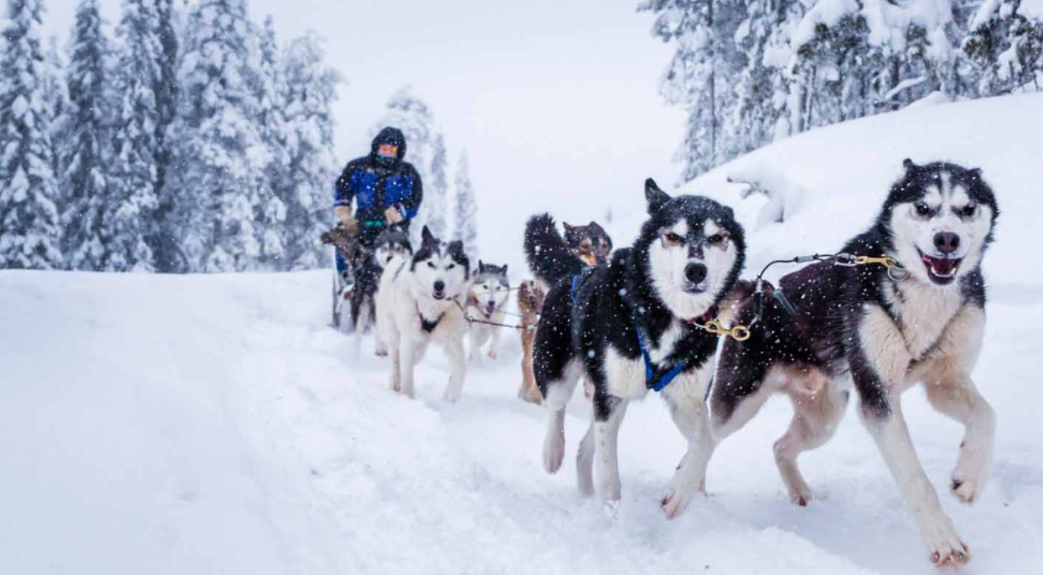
(215, 424)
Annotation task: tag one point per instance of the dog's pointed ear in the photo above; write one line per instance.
(655, 197)
(568, 228)
(974, 173)
(909, 165)
(504, 269)
(481, 266)
(427, 238)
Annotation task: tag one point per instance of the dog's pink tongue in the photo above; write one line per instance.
(941, 266)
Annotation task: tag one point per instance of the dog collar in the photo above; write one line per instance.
(425, 324)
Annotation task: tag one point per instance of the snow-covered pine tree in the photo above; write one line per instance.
(29, 233)
(163, 235)
(56, 94)
(312, 89)
(465, 212)
(130, 210)
(1005, 42)
(407, 112)
(701, 73)
(858, 59)
(218, 151)
(86, 154)
(269, 87)
(436, 193)
(760, 114)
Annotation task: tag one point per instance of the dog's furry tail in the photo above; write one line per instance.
(550, 259)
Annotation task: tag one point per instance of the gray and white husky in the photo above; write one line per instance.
(488, 302)
(880, 331)
(630, 326)
(420, 301)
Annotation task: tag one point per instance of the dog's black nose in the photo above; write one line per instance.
(946, 242)
(439, 285)
(695, 273)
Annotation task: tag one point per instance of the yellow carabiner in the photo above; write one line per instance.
(887, 261)
(738, 333)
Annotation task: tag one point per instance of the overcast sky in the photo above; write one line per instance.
(556, 101)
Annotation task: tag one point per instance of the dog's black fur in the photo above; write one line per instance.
(430, 246)
(366, 271)
(611, 300)
(829, 300)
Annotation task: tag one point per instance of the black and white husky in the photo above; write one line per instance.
(629, 326)
(392, 242)
(488, 302)
(420, 301)
(881, 334)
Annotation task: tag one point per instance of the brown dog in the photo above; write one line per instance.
(530, 302)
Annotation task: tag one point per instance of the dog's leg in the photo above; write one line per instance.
(454, 348)
(690, 416)
(879, 364)
(585, 462)
(528, 390)
(361, 319)
(396, 362)
(409, 355)
(958, 398)
(892, 437)
(606, 454)
(494, 343)
(556, 398)
(816, 417)
(381, 348)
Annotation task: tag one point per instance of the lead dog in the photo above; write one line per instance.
(420, 301)
(882, 334)
(601, 323)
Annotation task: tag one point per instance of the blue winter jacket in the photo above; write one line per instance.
(376, 183)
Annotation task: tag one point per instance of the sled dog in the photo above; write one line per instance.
(629, 326)
(487, 302)
(530, 302)
(589, 243)
(880, 333)
(420, 301)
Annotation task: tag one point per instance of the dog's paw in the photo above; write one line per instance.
(553, 452)
(452, 394)
(611, 510)
(944, 546)
(675, 502)
(800, 493)
(381, 351)
(969, 476)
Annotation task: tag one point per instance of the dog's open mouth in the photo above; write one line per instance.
(941, 270)
(439, 295)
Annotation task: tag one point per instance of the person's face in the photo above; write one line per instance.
(387, 150)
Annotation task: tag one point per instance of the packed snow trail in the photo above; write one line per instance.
(198, 424)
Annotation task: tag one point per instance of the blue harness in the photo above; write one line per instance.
(654, 383)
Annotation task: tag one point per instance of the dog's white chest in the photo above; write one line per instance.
(627, 378)
(923, 313)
